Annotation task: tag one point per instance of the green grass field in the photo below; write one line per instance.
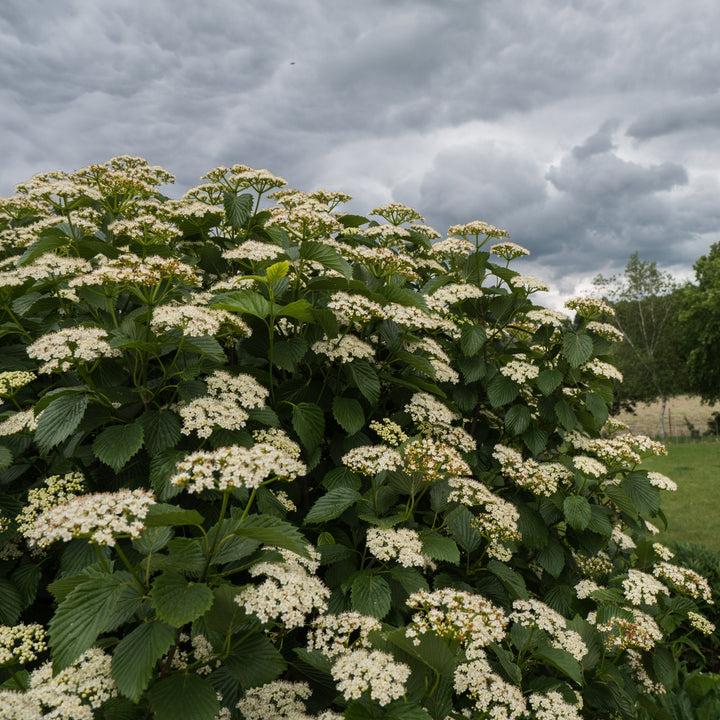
(693, 512)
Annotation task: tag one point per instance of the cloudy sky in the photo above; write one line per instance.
(587, 128)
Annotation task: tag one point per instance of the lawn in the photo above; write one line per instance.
(693, 512)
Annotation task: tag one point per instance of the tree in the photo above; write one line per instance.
(652, 356)
(701, 319)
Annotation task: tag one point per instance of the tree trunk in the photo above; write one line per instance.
(663, 403)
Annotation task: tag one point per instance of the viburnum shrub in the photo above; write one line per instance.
(265, 459)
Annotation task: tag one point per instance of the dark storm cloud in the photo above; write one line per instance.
(516, 113)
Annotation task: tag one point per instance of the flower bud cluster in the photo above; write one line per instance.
(334, 634)
(64, 349)
(401, 544)
(21, 643)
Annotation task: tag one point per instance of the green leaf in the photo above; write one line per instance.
(535, 439)
(184, 554)
(136, 655)
(403, 710)
(81, 617)
(512, 580)
(597, 407)
(205, 345)
(548, 380)
(277, 271)
(410, 579)
(472, 338)
(183, 697)
(577, 348)
(561, 660)
(507, 660)
(370, 595)
(255, 661)
(440, 547)
(117, 444)
(178, 601)
(501, 390)
(288, 353)
(565, 415)
(366, 380)
(325, 255)
(163, 514)
(643, 494)
(161, 430)
(11, 604)
(331, 505)
(462, 529)
(152, 539)
(349, 414)
(308, 421)
(243, 301)
(6, 457)
(577, 511)
(237, 208)
(517, 419)
(59, 420)
(270, 530)
(434, 651)
(298, 309)
(552, 557)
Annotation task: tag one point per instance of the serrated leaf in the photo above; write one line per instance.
(6, 457)
(177, 600)
(161, 430)
(270, 530)
(562, 660)
(243, 301)
(325, 255)
(403, 710)
(410, 579)
(552, 557)
(205, 345)
(115, 445)
(370, 595)
(620, 498)
(366, 380)
(472, 339)
(26, 579)
(548, 380)
(440, 547)
(308, 421)
(517, 419)
(277, 271)
(152, 539)
(331, 505)
(434, 651)
(501, 390)
(164, 514)
(577, 511)
(81, 617)
(349, 414)
(565, 415)
(183, 697)
(535, 439)
(511, 579)
(59, 420)
(643, 494)
(599, 522)
(137, 654)
(11, 603)
(298, 309)
(597, 407)
(577, 348)
(255, 661)
(507, 660)
(288, 353)
(237, 208)
(462, 529)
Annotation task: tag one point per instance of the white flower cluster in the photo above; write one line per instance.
(458, 615)
(541, 478)
(228, 468)
(603, 369)
(684, 580)
(334, 634)
(534, 613)
(452, 247)
(661, 481)
(229, 397)
(73, 693)
(195, 321)
(19, 421)
(424, 408)
(494, 697)
(477, 228)
(59, 489)
(624, 451)
(344, 349)
(100, 517)
(585, 588)
(414, 318)
(351, 308)
(553, 706)
(508, 250)
(253, 250)
(279, 700)
(545, 316)
(589, 466)
(13, 380)
(642, 632)
(63, 349)
(358, 671)
(640, 588)
(290, 592)
(622, 540)
(701, 623)
(401, 544)
(598, 564)
(21, 643)
(397, 213)
(433, 459)
(389, 431)
(640, 675)
(606, 330)
(529, 283)
(663, 552)
(131, 269)
(590, 306)
(278, 439)
(520, 371)
(457, 292)
(372, 459)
